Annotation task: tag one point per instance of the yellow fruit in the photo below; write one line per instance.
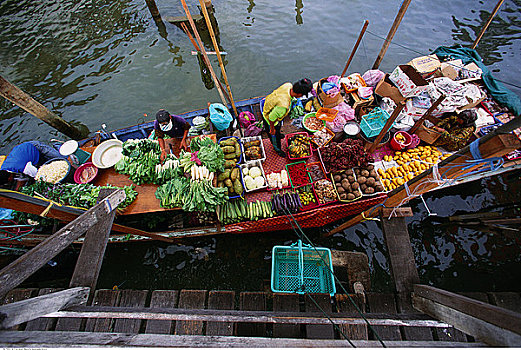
(428, 159)
(400, 182)
(380, 171)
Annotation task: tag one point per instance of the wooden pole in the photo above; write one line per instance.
(216, 48)
(151, 4)
(362, 32)
(27, 103)
(494, 144)
(485, 27)
(427, 114)
(386, 127)
(391, 33)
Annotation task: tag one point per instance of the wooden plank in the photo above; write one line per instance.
(23, 267)
(324, 303)
(191, 299)
(508, 300)
(18, 295)
(380, 302)
(286, 302)
(481, 296)
(411, 333)
(397, 212)
(220, 300)
(481, 330)
(29, 309)
(401, 256)
(92, 251)
(162, 298)
(41, 339)
(353, 332)
(130, 298)
(356, 264)
(251, 301)
(102, 297)
(43, 323)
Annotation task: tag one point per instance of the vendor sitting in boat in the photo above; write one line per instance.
(278, 105)
(25, 158)
(170, 125)
(456, 130)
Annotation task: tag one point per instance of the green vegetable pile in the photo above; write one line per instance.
(240, 210)
(140, 157)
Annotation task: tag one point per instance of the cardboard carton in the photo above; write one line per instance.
(425, 65)
(408, 80)
(385, 88)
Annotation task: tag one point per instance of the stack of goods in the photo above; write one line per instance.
(298, 175)
(253, 148)
(346, 185)
(253, 176)
(307, 196)
(236, 211)
(53, 172)
(325, 191)
(322, 137)
(368, 179)
(278, 180)
(315, 171)
(140, 157)
(282, 203)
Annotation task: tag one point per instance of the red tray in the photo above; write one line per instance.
(286, 139)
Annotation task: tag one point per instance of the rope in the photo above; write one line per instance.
(302, 235)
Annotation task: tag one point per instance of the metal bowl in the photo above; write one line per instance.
(107, 154)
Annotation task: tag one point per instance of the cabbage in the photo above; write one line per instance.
(259, 182)
(249, 182)
(255, 172)
(245, 171)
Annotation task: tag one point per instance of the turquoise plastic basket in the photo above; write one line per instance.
(372, 123)
(300, 268)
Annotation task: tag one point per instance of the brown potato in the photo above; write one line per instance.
(370, 181)
(357, 193)
(363, 187)
(364, 173)
(344, 176)
(340, 190)
(349, 172)
(370, 167)
(351, 196)
(351, 178)
(379, 188)
(362, 180)
(344, 195)
(369, 190)
(355, 186)
(337, 178)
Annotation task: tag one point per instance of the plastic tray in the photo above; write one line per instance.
(286, 139)
(240, 144)
(326, 203)
(320, 167)
(242, 182)
(278, 189)
(249, 165)
(328, 141)
(377, 179)
(336, 191)
(309, 115)
(252, 138)
(310, 205)
(327, 114)
(289, 174)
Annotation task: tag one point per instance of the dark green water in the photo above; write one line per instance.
(107, 62)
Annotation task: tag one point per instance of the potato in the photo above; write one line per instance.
(351, 178)
(355, 186)
(357, 171)
(379, 188)
(370, 181)
(337, 178)
(344, 195)
(370, 167)
(340, 190)
(357, 193)
(351, 196)
(362, 180)
(345, 183)
(363, 187)
(364, 173)
(373, 173)
(349, 171)
(369, 190)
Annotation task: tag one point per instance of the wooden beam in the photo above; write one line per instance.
(397, 212)
(427, 114)
(360, 36)
(39, 339)
(386, 127)
(33, 308)
(488, 323)
(23, 267)
(484, 29)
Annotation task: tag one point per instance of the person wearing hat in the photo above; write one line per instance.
(170, 125)
(278, 105)
(25, 158)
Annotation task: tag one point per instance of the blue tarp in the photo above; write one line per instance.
(501, 94)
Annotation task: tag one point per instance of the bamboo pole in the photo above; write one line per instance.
(485, 27)
(362, 32)
(392, 31)
(151, 4)
(30, 105)
(386, 127)
(216, 48)
(427, 114)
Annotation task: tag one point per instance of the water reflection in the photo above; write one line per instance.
(299, 5)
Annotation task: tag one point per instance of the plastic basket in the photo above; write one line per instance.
(240, 144)
(321, 168)
(310, 115)
(327, 114)
(372, 123)
(244, 140)
(249, 165)
(300, 268)
(286, 139)
(288, 166)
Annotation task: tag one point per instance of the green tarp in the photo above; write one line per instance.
(501, 94)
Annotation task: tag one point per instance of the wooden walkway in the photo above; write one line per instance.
(375, 305)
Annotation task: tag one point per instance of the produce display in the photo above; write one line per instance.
(299, 146)
(307, 197)
(346, 185)
(344, 155)
(368, 179)
(298, 174)
(253, 177)
(230, 180)
(325, 191)
(231, 148)
(140, 157)
(313, 123)
(53, 172)
(284, 202)
(253, 150)
(315, 171)
(236, 211)
(204, 152)
(322, 137)
(87, 174)
(168, 170)
(278, 180)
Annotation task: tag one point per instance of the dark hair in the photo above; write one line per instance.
(303, 86)
(162, 116)
(4, 177)
(468, 117)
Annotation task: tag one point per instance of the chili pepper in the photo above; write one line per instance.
(298, 174)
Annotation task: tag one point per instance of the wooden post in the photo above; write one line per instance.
(27, 103)
(362, 32)
(151, 4)
(386, 127)
(485, 27)
(391, 33)
(427, 114)
(223, 71)
(494, 144)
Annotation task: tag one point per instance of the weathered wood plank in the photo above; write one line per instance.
(381, 302)
(23, 267)
(324, 303)
(353, 332)
(102, 297)
(29, 309)
(508, 300)
(251, 301)
(130, 298)
(40, 339)
(220, 300)
(43, 323)
(93, 249)
(286, 302)
(356, 265)
(162, 298)
(18, 295)
(191, 299)
(404, 305)
(478, 328)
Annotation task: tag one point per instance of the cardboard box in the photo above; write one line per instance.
(425, 65)
(386, 88)
(408, 80)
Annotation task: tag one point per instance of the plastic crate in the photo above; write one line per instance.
(372, 123)
(336, 190)
(289, 174)
(334, 200)
(300, 268)
(240, 144)
(322, 171)
(286, 139)
(331, 136)
(327, 114)
(249, 165)
(308, 188)
(252, 138)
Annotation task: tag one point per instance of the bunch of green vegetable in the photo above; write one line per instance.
(204, 152)
(140, 157)
(171, 194)
(236, 211)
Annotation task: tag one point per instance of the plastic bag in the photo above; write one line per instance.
(246, 119)
(252, 130)
(345, 114)
(372, 77)
(220, 116)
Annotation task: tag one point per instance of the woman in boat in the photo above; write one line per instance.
(170, 125)
(455, 129)
(278, 105)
